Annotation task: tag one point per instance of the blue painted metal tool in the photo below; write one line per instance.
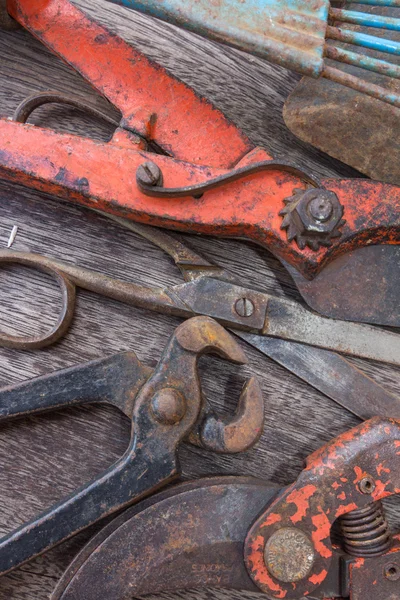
(297, 34)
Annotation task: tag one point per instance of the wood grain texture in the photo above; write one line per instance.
(46, 457)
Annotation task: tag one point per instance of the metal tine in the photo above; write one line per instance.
(366, 19)
(338, 18)
(386, 3)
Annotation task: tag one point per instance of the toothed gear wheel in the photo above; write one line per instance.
(312, 218)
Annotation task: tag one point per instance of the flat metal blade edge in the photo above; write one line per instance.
(361, 286)
(329, 373)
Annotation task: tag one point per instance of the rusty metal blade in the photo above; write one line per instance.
(290, 320)
(359, 286)
(188, 537)
(331, 374)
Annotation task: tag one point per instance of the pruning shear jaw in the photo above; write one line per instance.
(201, 534)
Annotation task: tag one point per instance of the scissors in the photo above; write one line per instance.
(301, 341)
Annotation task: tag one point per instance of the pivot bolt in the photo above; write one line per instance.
(169, 406)
(149, 174)
(289, 555)
(244, 307)
(367, 485)
(321, 208)
(392, 572)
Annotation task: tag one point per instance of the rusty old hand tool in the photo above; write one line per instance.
(229, 301)
(204, 294)
(165, 406)
(245, 534)
(177, 162)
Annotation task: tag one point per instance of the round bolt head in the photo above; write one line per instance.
(321, 208)
(367, 485)
(169, 406)
(244, 307)
(392, 572)
(318, 211)
(289, 555)
(149, 174)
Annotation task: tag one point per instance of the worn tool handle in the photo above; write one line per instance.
(68, 293)
(113, 380)
(104, 176)
(153, 103)
(69, 276)
(120, 485)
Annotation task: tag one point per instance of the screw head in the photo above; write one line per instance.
(244, 307)
(289, 555)
(367, 485)
(169, 406)
(392, 572)
(321, 208)
(149, 174)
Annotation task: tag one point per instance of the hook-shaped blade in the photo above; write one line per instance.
(339, 291)
(238, 433)
(204, 335)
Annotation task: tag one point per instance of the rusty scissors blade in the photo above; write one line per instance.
(326, 371)
(232, 305)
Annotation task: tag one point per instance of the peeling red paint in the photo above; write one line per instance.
(317, 579)
(342, 510)
(188, 128)
(321, 532)
(273, 518)
(300, 498)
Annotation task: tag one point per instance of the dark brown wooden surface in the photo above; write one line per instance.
(44, 458)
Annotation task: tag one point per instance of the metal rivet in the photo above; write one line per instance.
(244, 307)
(169, 406)
(392, 572)
(321, 208)
(367, 485)
(289, 555)
(149, 174)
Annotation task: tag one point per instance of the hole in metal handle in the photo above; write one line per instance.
(58, 330)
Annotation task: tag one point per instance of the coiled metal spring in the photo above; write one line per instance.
(366, 532)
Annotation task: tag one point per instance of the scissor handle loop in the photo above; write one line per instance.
(68, 293)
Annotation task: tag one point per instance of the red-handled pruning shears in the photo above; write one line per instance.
(175, 161)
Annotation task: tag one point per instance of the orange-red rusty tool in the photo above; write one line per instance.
(197, 535)
(206, 177)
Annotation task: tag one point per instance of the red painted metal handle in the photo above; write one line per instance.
(152, 102)
(103, 176)
(333, 484)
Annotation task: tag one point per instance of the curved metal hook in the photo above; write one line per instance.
(240, 432)
(202, 335)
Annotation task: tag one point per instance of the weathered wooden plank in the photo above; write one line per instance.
(44, 458)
